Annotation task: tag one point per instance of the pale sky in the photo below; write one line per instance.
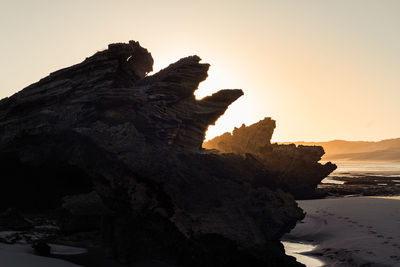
(322, 69)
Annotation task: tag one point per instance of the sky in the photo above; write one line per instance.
(323, 70)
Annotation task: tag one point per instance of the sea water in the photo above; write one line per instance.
(355, 170)
(367, 168)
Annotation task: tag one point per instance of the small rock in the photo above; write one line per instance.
(41, 248)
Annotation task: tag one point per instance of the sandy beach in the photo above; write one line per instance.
(351, 231)
(22, 255)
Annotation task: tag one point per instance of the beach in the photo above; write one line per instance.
(22, 255)
(350, 231)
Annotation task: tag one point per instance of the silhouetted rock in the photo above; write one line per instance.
(82, 213)
(295, 168)
(11, 219)
(136, 140)
(41, 248)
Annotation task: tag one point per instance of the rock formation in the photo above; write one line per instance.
(113, 151)
(295, 168)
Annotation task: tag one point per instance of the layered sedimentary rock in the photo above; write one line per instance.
(295, 168)
(116, 151)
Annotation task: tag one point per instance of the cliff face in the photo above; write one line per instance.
(103, 142)
(295, 168)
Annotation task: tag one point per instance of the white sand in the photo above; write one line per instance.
(22, 256)
(352, 231)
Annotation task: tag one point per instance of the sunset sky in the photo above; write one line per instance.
(322, 69)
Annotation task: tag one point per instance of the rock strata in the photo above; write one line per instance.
(296, 169)
(116, 157)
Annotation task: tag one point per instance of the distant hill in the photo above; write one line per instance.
(340, 150)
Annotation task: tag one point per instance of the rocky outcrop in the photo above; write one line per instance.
(295, 168)
(254, 139)
(113, 150)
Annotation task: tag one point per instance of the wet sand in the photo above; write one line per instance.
(352, 231)
(301, 251)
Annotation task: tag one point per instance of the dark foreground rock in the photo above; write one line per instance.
(295, 168)
(116, 157)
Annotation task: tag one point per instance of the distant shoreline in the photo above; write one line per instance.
(366, 152)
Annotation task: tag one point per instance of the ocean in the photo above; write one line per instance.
(357, 170)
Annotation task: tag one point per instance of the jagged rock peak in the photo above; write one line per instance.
(255, 137)
(112, 86)
(130, 59)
